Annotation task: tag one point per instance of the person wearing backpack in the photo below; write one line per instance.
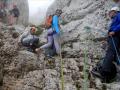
(49, 46)
(106, 69)
(53, 33)
(56, 29)
(29, 39)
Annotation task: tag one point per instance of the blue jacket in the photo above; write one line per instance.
(115, 25)
(55, 23)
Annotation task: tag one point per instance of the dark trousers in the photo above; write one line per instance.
(32, 44)
(111, 53)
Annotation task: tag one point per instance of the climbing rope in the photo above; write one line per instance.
(61, 61)
(118, 58)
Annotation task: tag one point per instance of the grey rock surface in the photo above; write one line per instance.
(84, 33)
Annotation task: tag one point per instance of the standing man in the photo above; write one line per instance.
(56, 29)
(15, 14)
(2, 13)
(53, 34)
(106, 70)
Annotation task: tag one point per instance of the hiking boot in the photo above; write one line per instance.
(95, 72)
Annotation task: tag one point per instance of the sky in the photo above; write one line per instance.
(37, 10)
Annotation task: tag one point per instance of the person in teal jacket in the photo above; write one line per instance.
(56, 29)
(53, 34)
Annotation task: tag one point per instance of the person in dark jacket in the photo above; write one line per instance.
(2, 13)
(15, 13)
(107, 69)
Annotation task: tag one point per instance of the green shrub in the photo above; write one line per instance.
(39, 31)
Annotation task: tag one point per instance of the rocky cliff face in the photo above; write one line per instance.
(84, 27)
(77, 14)
(23, 7)
(84, 32)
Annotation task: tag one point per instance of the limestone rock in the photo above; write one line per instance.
(84, 24)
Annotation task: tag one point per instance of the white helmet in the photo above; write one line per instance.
(115, 9)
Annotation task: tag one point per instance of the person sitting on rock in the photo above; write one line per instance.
(29, 39)
(106, 69)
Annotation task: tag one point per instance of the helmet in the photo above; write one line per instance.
(115, 9)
